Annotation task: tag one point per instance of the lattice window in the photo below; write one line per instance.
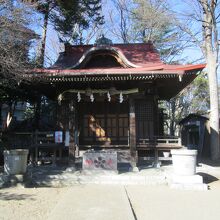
(144, 119)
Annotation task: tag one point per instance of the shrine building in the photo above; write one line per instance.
(107, 95)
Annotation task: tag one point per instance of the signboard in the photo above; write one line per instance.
(58, 137)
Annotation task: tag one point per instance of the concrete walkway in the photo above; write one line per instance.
(114, 201)
(108, 202)
(163, 203)
(93, 202)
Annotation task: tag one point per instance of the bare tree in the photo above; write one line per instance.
(132, 21)
(118, 20)
(152, 17)
(45, 8)
(201, 24)
(193, 99)
(14, 42)
(14, 45)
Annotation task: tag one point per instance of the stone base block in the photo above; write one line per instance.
(134, 169)
(187, 186)
(71, 169)
(194, 179)
(194, 182)
(99, 172)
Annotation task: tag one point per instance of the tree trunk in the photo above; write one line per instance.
(211, 48)
(214, 112)
(0, 114)
(44, 37)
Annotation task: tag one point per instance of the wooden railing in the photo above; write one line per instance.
(21, 139)
(39, 143)
(45, 142)
(159, 142)
(45, 138)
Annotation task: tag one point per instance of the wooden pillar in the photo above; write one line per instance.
(132, 134)
(72, 126)
(66, 122)
(156, 117)
(37, 113)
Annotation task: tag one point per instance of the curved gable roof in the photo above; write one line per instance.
(103, 50)
(130, 55)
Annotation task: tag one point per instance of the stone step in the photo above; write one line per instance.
(71, 179)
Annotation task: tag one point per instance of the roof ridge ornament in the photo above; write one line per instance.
(103, 41)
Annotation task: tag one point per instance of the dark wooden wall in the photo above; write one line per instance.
(103, 123)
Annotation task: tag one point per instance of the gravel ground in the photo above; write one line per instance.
(28, 203)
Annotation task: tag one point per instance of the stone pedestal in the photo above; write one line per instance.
(15, 161)
(184, 167)
(184, 162)
(194, 179)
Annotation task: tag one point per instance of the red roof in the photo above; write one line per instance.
(117, 62)
(151, 69)
(141, 58)
(139, 54)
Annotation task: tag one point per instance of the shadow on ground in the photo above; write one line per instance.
(207, 178)
(12, 196)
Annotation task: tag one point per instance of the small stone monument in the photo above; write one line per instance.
(100, 161)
